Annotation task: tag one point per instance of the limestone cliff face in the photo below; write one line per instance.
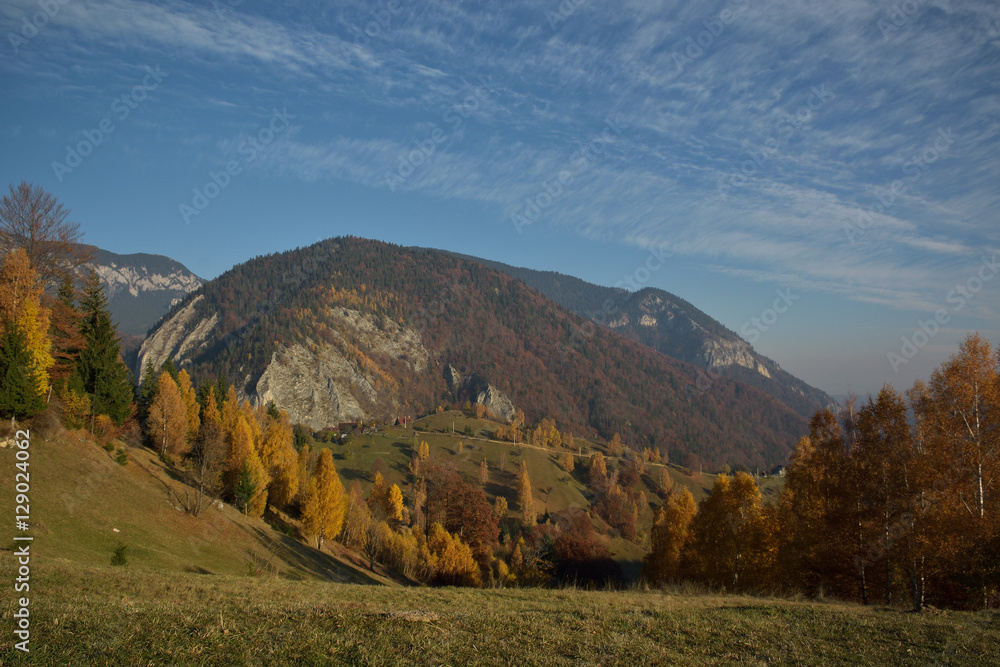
(316, 383)
(178, 338)
(317, 387)
(475, 389)
(141, 288)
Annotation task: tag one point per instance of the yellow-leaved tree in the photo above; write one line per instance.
(669, 536)
(167, 426)
(325, 503)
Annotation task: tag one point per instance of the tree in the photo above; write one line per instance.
(19, 397)
(732, 537)
(615, 446)
(21, 307)
(191, 408)
(104, 376)
(524, 496)
(394, 504)
(32, 219)
(325, 504)
(167, 426)
(423, 451)
(247, 477)
(580, 554)
(208, 456)
(598, 473)
(484, 472)
(669, 537)
(567, 461)
(959, 415)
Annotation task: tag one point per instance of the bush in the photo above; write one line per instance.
(120, 556)
(121, 456)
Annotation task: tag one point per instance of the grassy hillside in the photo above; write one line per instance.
(84, 506)
(225, 589)
(99, 615)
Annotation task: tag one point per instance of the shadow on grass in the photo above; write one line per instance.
(307, 559)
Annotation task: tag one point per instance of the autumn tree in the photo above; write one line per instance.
(484, 472)
(24, 323)
(598, 473)
(669, 537)
(325, 504)
(279, 459)
(167, 425)
(450, 560)
(423, 451)
(191, 408)
(524, 496)
(247, 478)
(33, 220)
(580, 554)
(567, 462)
(732, 536)
(208, 456)
(959, 414)
(615, 446)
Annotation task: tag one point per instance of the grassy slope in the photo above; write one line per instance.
(79, 497)
(162, 608)
(109, 616)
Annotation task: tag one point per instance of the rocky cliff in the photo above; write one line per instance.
(141, 288)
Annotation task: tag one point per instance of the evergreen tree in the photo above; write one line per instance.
(105, 377)
(18, 394)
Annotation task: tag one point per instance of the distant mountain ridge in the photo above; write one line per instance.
(350, 328)
(141, 288)
(671, 325)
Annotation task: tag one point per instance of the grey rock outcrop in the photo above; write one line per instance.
(476, 389)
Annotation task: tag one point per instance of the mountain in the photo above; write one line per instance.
(671, 325)
(141, 288)
(351, 329)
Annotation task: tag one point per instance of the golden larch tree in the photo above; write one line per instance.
(325, 504)
(167, 425)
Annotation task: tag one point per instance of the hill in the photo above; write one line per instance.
(350, 329)
(141, 288)
(671, 325)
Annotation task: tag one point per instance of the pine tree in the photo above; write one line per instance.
(104, 376)
(18, 394)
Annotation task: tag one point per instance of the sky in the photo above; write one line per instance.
(821, 177)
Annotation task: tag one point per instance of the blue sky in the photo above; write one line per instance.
(845, 151)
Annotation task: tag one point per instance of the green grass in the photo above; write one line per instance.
(101, 615)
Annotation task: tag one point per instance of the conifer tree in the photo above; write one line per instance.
(524, 496)
(167, 425)
(104, 376)
(18, 394)
(325, 503)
